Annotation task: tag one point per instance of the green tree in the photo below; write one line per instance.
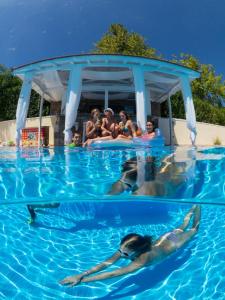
(209, 86)
(208, 90)
(10, 87)
(118, 40)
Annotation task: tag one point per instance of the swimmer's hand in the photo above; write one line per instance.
(72, 280)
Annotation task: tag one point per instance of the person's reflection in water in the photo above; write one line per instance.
(150, 176)
(128, 179)
(31, 209)
(142, 251)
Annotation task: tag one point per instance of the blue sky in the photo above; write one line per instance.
(36, 29)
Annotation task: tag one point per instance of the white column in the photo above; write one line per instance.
(22, 106)
(106, 99)
(189, 108)
(148, 102)
(72, 102)
(170, 119)
(63, 103)
(40, 120)
(139, 84)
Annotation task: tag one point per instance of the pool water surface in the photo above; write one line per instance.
(88, 225)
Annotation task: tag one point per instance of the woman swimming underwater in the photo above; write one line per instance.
(142, 251)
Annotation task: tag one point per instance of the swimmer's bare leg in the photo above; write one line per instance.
(184, 237)
(187, 218)
(31, 209)
(197, 217)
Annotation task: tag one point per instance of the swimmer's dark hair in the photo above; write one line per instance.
(77, 132)
(137, 242)
(154, 122)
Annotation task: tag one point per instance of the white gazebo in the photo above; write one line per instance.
(63, 79)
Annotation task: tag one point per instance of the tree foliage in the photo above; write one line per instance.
(118, 40)
(10, 87)
(209, 86)
(205, 111)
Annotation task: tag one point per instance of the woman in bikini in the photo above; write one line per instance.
(128, 180)
(93, 126)
(142, 251)
(125, 126)
(109, 125)
(150, 131)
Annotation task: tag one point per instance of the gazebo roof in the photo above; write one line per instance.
(102, 72)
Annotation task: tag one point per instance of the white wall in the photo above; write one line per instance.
(206, 133)
(8, 128)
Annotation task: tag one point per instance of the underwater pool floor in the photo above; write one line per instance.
(76, 236)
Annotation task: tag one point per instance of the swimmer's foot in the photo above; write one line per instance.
(31, 220)
(188, 217)
(193, 208)
(191, 212)
(32, 214)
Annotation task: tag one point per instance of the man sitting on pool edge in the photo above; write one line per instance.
(142, 251)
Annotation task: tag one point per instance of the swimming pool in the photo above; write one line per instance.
(88, 225)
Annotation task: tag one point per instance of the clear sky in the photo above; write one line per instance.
(36, 29)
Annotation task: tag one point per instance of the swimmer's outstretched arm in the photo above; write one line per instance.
(76, 279)
(119, 272)
(73, 280)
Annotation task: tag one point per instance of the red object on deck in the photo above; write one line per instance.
(30, 136)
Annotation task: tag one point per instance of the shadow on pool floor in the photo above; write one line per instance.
(116, 215)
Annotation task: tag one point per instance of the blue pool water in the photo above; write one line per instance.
(88, 225)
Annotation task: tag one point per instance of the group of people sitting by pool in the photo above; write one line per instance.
(107, 128)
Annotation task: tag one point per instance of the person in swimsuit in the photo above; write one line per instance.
(128, 179)
(150, 131)
(151, 175)
(125, 126)
(109, 126)
(93, 126)
(76, 140)
(142, 251)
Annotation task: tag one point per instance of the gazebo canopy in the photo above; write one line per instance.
(101, 72)
(64, 78)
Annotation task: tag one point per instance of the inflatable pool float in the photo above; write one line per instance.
(115, 143)
(157, 141)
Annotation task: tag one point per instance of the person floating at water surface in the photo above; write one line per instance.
(150, 175)
(77, 139)
(142, 251)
